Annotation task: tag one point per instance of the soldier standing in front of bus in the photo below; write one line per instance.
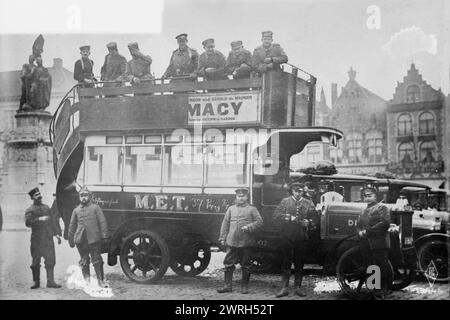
(269, 55)
(211, 63)
(87, 230)
(239, 223)
(44, 226)
(294, 212)
(239, 61)
(375, 242)
(184, 60)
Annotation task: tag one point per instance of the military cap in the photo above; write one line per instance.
(84, 190)
(33, 191)
(86, 47)
(133, 45)
(268, 34)
(181, 36)
(207, 41)
(297, 185)
(241, 191)
(235, 44)
(112, 45)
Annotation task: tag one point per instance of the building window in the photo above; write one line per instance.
(374, 142)
(412, 94)
(404, 124)
(354, 147)
(406, 152)
(427, 151)
(426, 123)
(313, 153)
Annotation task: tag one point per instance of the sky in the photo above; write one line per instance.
(377, 38)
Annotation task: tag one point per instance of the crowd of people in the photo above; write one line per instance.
(185, 62)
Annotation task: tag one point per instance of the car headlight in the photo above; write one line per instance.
(408, 240)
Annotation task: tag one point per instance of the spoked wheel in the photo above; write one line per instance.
(191, 261)
(433, 260)
(144, 256)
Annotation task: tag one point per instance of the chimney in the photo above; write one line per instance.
(57, 63)
(333, 94)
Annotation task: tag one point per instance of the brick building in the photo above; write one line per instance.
(416, 127)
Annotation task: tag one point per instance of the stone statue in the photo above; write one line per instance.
(36, 81)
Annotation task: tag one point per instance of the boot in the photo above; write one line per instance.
(86, 273)
(285, 284)
(299, 290)
(50, 279)
(245, 280)
(100, 275)
(228, 287)
(36, 277)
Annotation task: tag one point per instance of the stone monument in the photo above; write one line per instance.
(28, 148)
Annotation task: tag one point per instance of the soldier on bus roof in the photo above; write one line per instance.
(237, 233)
(84, 68)
(211, 63)
(239, 62)
(269, 55)
(114, 66)
(139, 67)
(184, 60)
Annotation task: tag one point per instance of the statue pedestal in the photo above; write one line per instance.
(28, 164)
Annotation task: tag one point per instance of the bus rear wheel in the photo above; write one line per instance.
(144, 256)
(191, 261)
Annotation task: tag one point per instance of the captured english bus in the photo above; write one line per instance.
(163, 159)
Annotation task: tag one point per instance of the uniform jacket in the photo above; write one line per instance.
(89, 219)
(375, 219)
(114, 67)
(235, 218)
(274, 51)
(83, 70)
(139, 68)
(300, 209)
(182, 63)
(213, 60)
(41, 230)
(237, 58)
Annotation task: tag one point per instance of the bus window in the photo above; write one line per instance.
(143, 165)
(103, 165)
(183, 165)
(226, 165)
(355, 193)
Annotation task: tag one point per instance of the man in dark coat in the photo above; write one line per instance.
(211, 63)
(236, 233)
(184, 60)
(87, 230)
(294, 212)
(239, 61)
(114, 66)
(83, 69)
(269, 55)
(139, 67)
(44, 226)
(373, 227)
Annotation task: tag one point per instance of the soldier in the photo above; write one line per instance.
(138, 68)
(211, 63)
(184, 60)
(44, 226)
(239, 62)
(373, 227)
(240, 222)
(115, 64)
(83, 70)
(294, 212)
(269, 56)
(87, 230)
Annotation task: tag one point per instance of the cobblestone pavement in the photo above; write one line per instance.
(15, 279)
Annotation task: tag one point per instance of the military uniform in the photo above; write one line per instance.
(183, 63)
(114, 66)
(42, 233)
(139, 67)
(83, 70)
(86, 230)
(274, 52)
(214, 60)
(239, 62)
(237, 231)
